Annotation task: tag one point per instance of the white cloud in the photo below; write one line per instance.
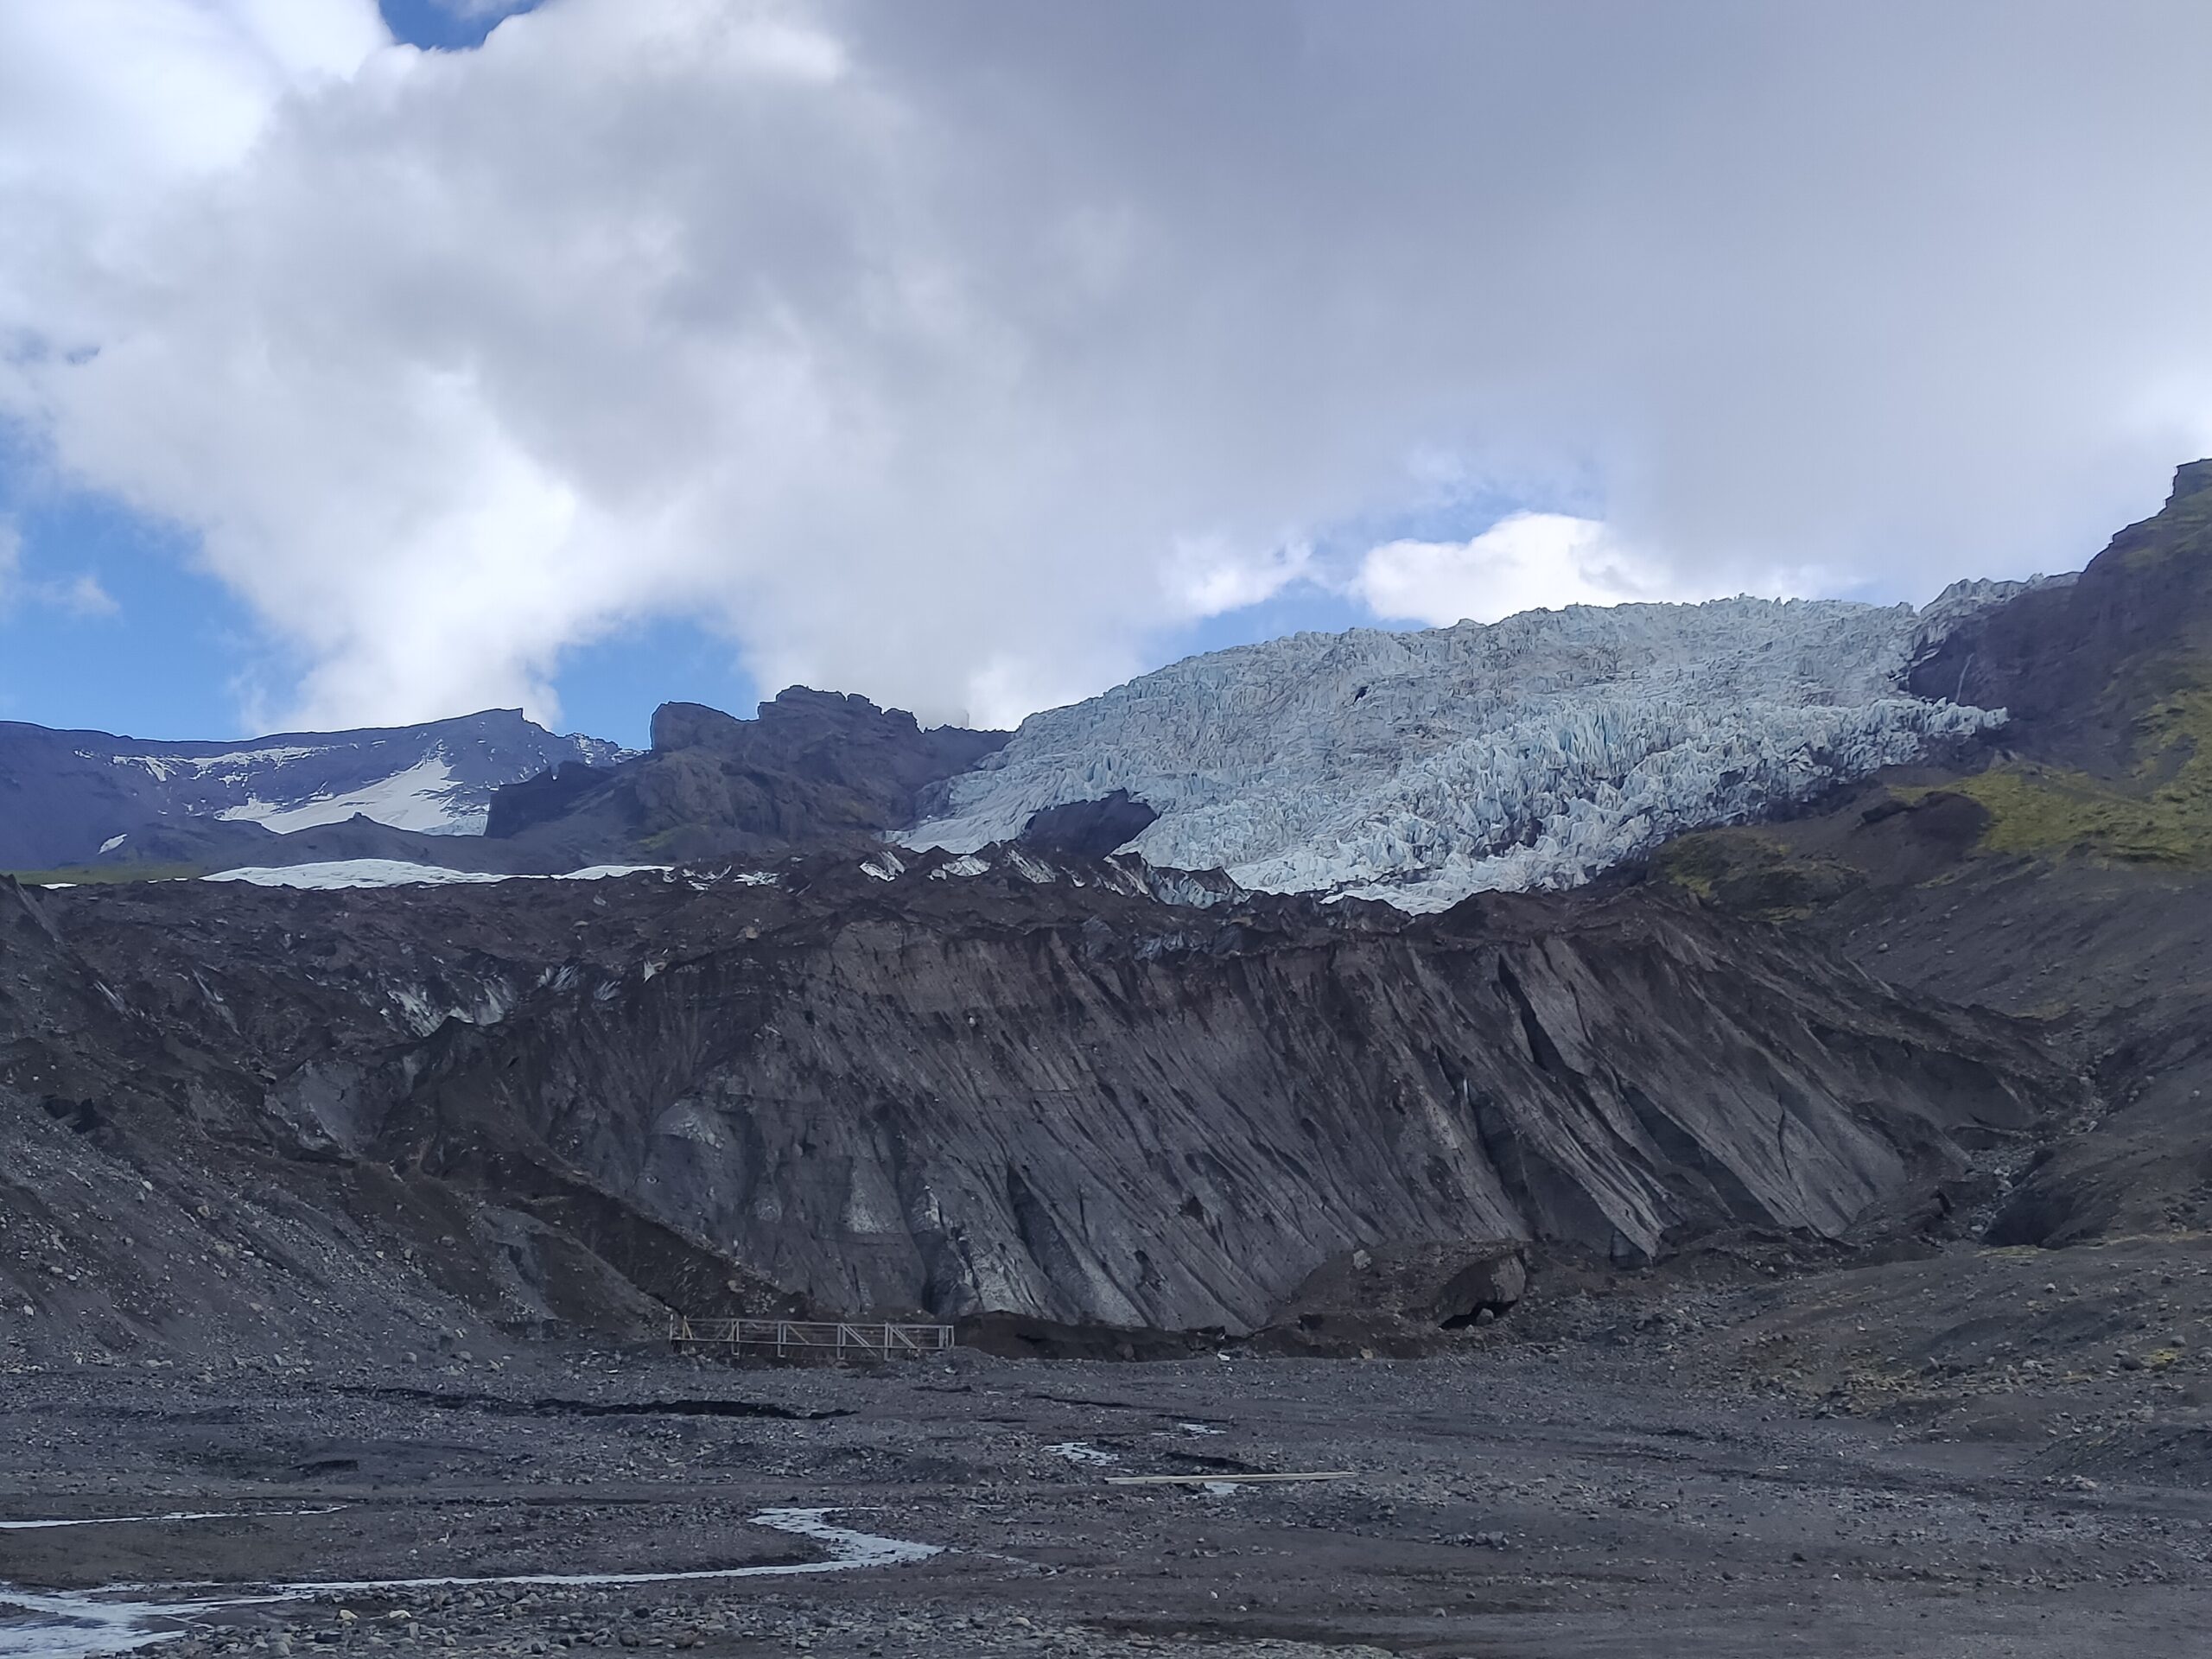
(1524, 562)
(1207, 575)
(947, 353)
(80, 594)
(100, 98)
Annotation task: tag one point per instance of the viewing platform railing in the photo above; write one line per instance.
(807, 1338)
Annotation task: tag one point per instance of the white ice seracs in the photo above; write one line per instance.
(1531, 752)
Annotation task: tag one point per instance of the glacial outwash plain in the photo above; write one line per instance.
(1668, 1129)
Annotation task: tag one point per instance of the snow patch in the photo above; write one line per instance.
(1083, 1452)
(113, 843)
(350, 873)
(166, 767)
(426, 797)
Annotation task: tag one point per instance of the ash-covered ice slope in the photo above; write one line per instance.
(1528, 753)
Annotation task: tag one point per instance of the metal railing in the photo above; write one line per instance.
(801, 1338)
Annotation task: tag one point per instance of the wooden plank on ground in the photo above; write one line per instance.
(1226, 1480)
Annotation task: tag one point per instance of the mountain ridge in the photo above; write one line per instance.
(72, 796)
(809, 766)
(1414, 767)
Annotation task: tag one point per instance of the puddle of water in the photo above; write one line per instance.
(1081, 1452)
(89, 1624)
(79, 1626)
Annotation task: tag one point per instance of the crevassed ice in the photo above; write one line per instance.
(1532, 753)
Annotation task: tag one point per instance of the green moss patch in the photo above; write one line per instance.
(2160, 814)
(107, 875)
(1751, 873)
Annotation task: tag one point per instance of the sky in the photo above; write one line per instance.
(362, 365)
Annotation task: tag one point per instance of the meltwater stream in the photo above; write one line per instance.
(163, 1520)
(122, 1617)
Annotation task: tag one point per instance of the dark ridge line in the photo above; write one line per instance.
(1096, 1405)
(1210, 1464)
(553, 1406)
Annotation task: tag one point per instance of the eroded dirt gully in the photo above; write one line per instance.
(1626, 1480)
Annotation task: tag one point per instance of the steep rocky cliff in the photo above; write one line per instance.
(1003, 1084)
(2113, 669)
(2062, 872)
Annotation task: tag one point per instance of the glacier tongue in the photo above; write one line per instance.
(1529, 752)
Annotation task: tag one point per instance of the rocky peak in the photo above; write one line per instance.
(687, 726)
(796, 714)
(2094, 672)
(812, 765)
(2191, 477)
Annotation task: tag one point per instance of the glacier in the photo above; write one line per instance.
(1531, 752)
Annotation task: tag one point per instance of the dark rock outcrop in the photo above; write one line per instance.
(1406, 1289)
(2079, 666)
(815, 766)
(541, 799)
(1089, 828)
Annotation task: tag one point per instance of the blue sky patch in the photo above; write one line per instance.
(446, 25)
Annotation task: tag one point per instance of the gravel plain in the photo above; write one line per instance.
(1604, 1478)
